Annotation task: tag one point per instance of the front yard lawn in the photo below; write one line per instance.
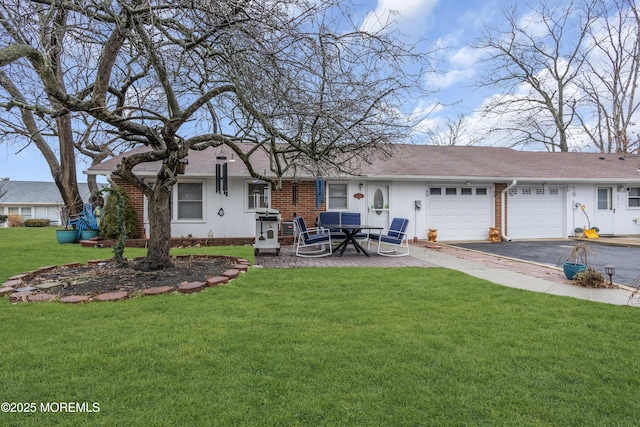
(340, 346)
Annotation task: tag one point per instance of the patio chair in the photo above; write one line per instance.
(396, 236)
(311, 238)
(330, 218)
(352, 218)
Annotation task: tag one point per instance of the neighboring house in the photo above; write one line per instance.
(460, 191)
(35, 200)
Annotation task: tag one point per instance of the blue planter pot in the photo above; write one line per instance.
(88, 234)
(66, 236)
(571, 269)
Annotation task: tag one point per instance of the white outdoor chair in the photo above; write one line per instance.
(313, 238)
(396, 237)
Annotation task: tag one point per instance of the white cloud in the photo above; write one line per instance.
(465, 57)
(449, 79)
(406, 14)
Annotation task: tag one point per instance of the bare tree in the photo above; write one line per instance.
(454, 132)
(97, 143)
(24, 123)
(610, 78)
(284, 78)
(535, 60)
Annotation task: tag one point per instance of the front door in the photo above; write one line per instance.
(604, 214)
(378, 205)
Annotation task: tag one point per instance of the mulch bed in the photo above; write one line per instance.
(105, 277)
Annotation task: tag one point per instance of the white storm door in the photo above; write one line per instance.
(378, 205)
(605, 211)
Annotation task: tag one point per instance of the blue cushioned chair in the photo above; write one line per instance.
(330, 218)
(311, 238)
(340, 219)
(352, 218)
(396, 237)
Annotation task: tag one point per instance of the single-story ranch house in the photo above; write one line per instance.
(461, 191)
(35, 200)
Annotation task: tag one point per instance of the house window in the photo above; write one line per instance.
(526, 191)
(337, 196)
(634, 197)
(466, 191)
(451, 191)
(540, 191)
(258, 195)
(481, 191)
(437, 191)
(190, 200)
(26, 213)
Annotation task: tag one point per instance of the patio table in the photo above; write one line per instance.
(350, 232)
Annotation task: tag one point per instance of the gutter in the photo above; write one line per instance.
(503, 209)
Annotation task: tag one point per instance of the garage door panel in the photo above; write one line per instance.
(535, 213)
(460, 217)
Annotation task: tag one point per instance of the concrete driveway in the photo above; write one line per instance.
(626, 259)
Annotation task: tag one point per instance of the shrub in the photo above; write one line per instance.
(590, 278)
(3, 218)
(36, 223)
(15, 220)
(109, 222)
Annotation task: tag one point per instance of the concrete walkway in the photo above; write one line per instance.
(517, 274)
(501, 270)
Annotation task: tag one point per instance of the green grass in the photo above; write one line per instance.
(405, 346)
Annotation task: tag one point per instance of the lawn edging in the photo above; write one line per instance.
(17, 290)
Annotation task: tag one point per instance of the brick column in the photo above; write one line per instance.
(499, 186)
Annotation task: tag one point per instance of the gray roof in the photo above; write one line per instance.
(429, 162)
(37, 193)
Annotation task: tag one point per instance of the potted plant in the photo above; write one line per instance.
(576, 259)
(67, 234)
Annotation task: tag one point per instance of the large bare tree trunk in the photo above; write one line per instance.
(66, 178)
(159, 230)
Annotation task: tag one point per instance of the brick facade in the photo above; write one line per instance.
(305, 205)
(137, 201)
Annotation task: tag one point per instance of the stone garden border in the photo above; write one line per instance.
(15, 288)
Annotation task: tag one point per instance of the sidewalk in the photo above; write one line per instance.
(501, 270)
(515, 273)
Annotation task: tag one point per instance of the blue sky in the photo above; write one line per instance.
(453, 24)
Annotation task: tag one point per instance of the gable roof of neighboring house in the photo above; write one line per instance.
(429, 162)
(37, 193)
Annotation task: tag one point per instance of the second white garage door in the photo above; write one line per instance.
(535, 212)
(460, 213)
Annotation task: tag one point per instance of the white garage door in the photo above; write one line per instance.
(535, 212)
(460, 213)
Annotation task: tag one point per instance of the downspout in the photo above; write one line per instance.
(503, 209)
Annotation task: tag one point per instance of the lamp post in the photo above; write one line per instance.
(610, 270)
